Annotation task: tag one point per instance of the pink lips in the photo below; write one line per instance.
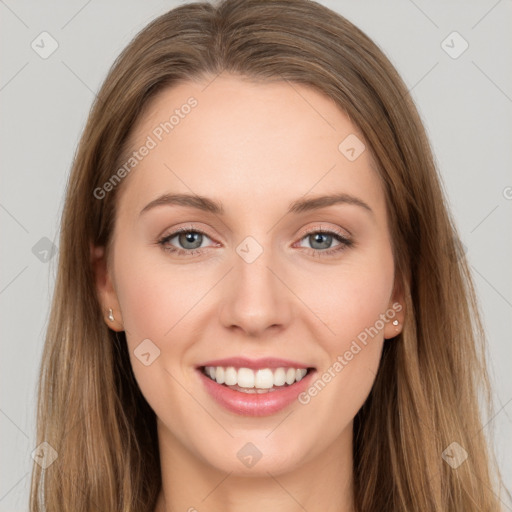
(254, 404)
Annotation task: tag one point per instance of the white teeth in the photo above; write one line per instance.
(262, 379)
(230, 375)
(290, 376)
(279, 377)
(220, 375)
(245, 378)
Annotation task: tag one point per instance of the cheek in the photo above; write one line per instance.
(154, 296)
(352, 299)
(165, 304)
(154, 304)
(147, 304)
(353, 308)
(157, 304)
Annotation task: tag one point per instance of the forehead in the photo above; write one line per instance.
(248, 142)
(245, 111)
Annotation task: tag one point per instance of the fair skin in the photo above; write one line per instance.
(255, 148)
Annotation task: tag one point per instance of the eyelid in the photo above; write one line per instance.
(345, 234)
(183, 229)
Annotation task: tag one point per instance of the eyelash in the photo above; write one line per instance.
(344, 242)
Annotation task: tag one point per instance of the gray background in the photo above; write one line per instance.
(465, 102)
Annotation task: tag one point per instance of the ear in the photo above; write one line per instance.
(395, 312)
(106, 293)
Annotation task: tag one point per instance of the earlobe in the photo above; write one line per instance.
(395, 322)
(395, 313)
(105, 291)
(392, 329)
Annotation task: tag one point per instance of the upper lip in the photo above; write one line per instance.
(255, 364)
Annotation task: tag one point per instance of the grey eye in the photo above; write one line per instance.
(324, 240)
(189, 239)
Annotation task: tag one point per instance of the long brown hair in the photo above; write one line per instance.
(425, 397)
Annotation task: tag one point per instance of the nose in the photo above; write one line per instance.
(255, 297)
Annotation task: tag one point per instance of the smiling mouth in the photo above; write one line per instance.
(246, 380)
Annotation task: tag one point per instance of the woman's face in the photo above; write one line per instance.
(255, 280)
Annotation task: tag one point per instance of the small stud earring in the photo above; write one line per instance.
(395, 322)
(110, 315)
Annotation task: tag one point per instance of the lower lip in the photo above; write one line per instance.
(254, 404)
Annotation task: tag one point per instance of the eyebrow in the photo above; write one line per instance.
(211, 206)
